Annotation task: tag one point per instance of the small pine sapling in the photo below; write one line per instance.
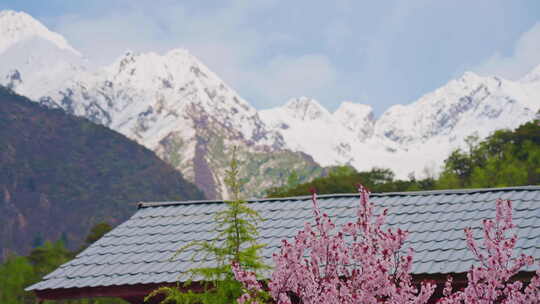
(235, 244)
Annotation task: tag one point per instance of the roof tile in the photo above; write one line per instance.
(139, 250)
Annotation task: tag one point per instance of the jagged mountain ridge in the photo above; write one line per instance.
(174, 105)
(143, 94)
(307, 126)
(409, 138)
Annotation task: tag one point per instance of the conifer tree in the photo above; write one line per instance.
(235, 243)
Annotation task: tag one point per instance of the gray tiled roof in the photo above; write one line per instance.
(139, 250)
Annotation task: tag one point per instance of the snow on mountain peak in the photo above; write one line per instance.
(533, 75)
(305, 125)
(423, 132)
(177, 72)
(469, 75)
(16, 27)
(175, 105)
(304, 108)
(149, 96)
(34, 60)
(356, 117)
(151, 67)
(354, 111)
(447, 110)
(180, 53)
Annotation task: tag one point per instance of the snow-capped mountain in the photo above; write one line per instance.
(34, 60)
(357, 118)
(176, 106)
(170, 103)
(307, 126)
(148, 96)
(16, 27)
(408, 138)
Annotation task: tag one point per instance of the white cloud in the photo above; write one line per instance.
(221, 38)
(526, 56)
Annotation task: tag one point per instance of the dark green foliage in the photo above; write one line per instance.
(99, 230)
(340, 171)
(172, 295)
(506, 158)
(293, 180)
(61, 174)
(47, 258)
(344, 180)
(235, 241)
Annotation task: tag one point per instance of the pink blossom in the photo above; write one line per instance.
(358, 263)
(491, 282)
(362, 263)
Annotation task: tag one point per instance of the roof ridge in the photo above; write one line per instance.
(336, 195)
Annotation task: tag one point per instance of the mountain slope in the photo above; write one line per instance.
(171, 103)
(174, 105)
(62, 174)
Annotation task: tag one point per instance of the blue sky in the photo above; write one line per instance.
(373, 52)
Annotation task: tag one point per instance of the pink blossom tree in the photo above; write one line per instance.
(359, 263)
(492, 281)
(362, 263)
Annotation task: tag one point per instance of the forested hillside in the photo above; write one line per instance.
(506, 158)
(61, 174)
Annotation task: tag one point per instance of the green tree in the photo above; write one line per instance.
(97, 231)
(506, 158)
(18, 272)
(293, 180)
(343, 180)
(342, 171)
(15, 274)
(235, 241)
(47, 258)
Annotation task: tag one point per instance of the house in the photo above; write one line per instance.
(134, 258)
